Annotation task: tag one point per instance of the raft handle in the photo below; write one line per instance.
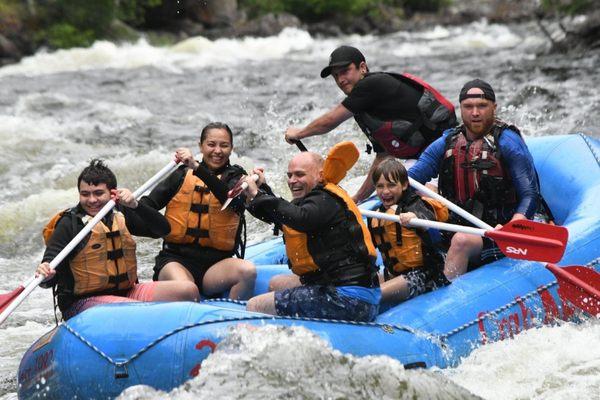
(414, 365)
(121, 370)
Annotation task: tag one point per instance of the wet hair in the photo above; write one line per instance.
(392, 170)
(215, 125)
(96, 173)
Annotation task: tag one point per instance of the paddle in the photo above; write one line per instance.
(578, 284)
(10, 301)
(542, 242)
(300, 145)
(434, 195)
(237, 189)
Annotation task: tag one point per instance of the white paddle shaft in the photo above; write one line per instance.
(469, 217)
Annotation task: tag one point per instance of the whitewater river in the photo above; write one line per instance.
(132, 105)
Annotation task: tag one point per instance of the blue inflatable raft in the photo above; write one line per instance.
(108, 348)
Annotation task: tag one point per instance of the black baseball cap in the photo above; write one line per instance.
(486, 88)
(341, 57)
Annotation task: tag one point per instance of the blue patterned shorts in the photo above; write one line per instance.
(315, 301)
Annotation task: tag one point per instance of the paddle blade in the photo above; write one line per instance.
(529, 240)
(237, 189)
(7, 298)
(340, 159)
(227, 202)
(580, 286)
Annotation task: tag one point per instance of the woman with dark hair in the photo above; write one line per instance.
(204, 238)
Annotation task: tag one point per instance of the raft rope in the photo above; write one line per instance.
(586, 139)
(122, 363)
(437, 339)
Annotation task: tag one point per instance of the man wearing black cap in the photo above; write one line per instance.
(484, 167)
(399, 113)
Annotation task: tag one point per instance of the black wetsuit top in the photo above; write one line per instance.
(325, 221)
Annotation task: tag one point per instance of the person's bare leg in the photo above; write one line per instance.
(463, 247)
(264, 303)
(395, 290)
(235, 274)
(175, 290)
(174, 271)
(284, 281)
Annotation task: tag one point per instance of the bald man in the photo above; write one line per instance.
(327, 243)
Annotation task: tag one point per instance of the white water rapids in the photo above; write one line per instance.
(133, 104)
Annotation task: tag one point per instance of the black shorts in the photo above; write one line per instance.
(489, 252)
(196, 262)
(421, 280)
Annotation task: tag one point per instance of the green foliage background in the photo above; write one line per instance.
(316, 10)
(71, 23)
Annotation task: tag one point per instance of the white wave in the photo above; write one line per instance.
(195, 52)
(442, 40)
(292, 43)
(279, 362)
(553, 362)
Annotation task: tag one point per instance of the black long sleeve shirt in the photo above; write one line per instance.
(316, 211)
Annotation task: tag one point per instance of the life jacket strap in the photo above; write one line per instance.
(113, 234)
(199, 208)
(197, 233)
(116, 279)
(201, 189)
(114, 254)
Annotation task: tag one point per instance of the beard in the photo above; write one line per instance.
(479, 128)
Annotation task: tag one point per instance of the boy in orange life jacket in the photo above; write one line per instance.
(413, 264)
(328, 246)
(103, 268)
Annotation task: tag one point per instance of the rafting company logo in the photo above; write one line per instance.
(204, 343)
(493, 326)
(522, 227)
(516, 250)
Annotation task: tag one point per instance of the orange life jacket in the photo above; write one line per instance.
(296, 243)
(108, 259)
(195, 216)
(404, 250)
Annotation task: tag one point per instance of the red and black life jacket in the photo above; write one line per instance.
(407, 139)
(475, 178)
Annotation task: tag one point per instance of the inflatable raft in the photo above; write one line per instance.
(108, 348)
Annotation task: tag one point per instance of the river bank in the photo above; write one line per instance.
(22, 29)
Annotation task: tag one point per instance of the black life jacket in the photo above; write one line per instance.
(340, 255)
(407, 139)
